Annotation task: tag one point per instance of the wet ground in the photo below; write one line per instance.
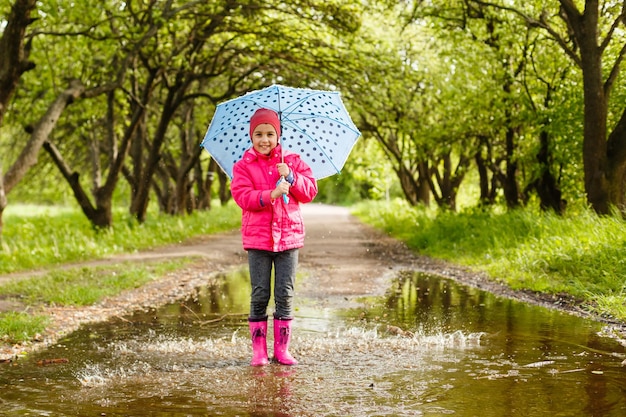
(426, 347)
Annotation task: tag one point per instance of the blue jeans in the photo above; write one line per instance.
(285, 264)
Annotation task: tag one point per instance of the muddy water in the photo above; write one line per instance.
(428, 348)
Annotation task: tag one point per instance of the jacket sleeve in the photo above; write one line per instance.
(244, 192)
(304, 188)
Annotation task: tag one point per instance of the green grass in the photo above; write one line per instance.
(16, 327)
(87, 285)
(37, 238)
(72, 287)
(580, 254)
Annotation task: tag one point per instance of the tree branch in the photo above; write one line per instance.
(620, 19)
(72, 178)
(610, 81)
(28, 156)
(542, 23)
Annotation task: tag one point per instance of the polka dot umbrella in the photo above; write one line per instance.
(314, 124)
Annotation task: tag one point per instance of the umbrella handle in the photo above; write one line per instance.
(285, 196)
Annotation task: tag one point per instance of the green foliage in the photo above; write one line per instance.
(366, 175)
(579, 254)
(613, 303)
(175, 60)
(16, 327)
(86, 286)
(339, 189)
(36, 237)
(424, 79)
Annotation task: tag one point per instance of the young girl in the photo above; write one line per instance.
(269, 183)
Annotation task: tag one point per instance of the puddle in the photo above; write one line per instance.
(428, 348)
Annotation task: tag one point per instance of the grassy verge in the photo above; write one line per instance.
(86, 286)
(580, 254)
(72, 287)
(37, 238)
(16, 327)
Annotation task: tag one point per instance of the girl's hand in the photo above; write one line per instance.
(281, 188)
(283, 169)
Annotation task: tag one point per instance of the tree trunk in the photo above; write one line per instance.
(3, 202)
(141, 199)
(136, 155)
(413, 185)
(99, 216)
(483, 179)
(163, 191)
(28, 156)
(584, 28)
(546, 185)
(616, 153)
(14, 52)
(204, 184)
(509, 181)
(423, 188)
(184, 200)
(594, 138)
(224, 191)
(448, 181)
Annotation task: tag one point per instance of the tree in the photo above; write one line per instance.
(590, 38)
(384, 65)
(547, 82)
(172, 62)
(99, 211)
(482, 45)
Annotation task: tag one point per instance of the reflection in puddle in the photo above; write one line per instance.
(430, 347)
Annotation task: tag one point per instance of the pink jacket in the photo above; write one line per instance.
(267, 224)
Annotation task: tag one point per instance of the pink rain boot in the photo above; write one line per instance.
(258, 331)
(282, 337)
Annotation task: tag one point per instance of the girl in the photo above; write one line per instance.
(269, 184)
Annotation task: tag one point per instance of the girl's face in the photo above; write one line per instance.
(264, 138)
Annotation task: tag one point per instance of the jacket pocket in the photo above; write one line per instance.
(294, 222)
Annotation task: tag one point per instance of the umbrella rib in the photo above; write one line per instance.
(243, 123)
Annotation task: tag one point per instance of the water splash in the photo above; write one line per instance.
(347, 347)
(96, 375)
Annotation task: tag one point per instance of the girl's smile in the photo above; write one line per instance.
(264, 138)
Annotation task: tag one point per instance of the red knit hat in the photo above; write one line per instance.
(265, 116)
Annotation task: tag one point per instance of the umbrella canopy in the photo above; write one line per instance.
(314, 123)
